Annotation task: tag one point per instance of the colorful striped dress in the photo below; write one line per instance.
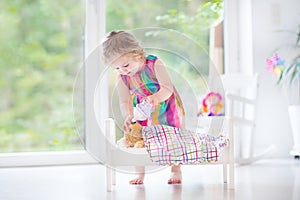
(144, 83)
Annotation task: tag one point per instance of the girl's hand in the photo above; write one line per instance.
(127, 122)
(153, 101)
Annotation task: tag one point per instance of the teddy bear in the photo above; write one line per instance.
(133, 137)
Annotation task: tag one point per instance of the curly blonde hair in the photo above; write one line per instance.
(119, 43)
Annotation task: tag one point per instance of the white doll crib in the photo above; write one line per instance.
(116, 156)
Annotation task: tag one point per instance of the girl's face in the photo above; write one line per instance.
(128, 65)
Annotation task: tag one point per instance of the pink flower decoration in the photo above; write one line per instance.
(275, 65)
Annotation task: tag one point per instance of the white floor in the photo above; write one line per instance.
(267, 179)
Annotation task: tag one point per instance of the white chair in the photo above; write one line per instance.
(241, 99)
(116, 157)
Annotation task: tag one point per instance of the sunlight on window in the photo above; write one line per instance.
(41, 51)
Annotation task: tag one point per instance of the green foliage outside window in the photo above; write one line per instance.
(41, 48)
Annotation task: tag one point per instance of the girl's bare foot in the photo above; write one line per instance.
(175, 175)
(138, 180)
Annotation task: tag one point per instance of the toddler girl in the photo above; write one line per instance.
(143, 77)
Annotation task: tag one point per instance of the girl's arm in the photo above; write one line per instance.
(166, 86)
(125, 102)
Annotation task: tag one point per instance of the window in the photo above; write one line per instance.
(61, 52)
(41, 52)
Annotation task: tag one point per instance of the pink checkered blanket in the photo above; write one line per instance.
(168, 145)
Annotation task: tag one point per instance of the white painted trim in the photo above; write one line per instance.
(231, 36)
(245, 37)
(238, 37)
(96, 101)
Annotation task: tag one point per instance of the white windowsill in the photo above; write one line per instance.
(28, 159)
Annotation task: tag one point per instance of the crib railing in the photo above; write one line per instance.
(116, 157)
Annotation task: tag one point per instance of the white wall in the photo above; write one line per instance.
(273, 126)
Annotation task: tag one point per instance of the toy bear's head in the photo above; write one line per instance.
(133, 136)
(135, 130)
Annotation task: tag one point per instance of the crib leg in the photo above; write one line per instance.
(113, 177)
(225, 173)
(109, 133)
(231, 174)
(108, 179)
(231, 157)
